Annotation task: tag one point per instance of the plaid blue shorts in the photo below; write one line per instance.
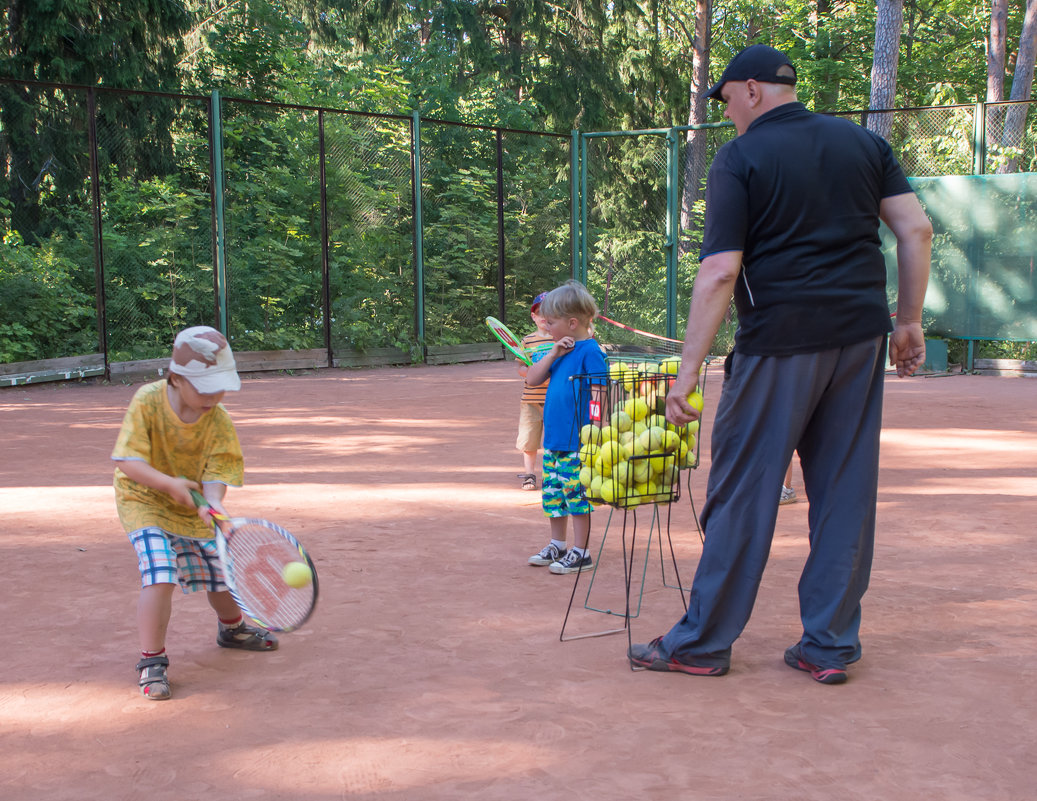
(165, 558)
(562, 491)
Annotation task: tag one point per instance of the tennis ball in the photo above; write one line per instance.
(586, 475)
(590, 434)
(655, 420)
(587, 453)
(652, 439)
(641, 471)
(296, 574)
(622, 421)
(695, 400)
(622, 472)
(672, 441)
(610, 453)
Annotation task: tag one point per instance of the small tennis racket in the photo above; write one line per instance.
(508, 339)
(255, 554)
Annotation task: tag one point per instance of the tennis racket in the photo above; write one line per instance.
(254, 554)
(508, 339)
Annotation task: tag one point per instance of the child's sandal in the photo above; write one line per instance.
(247, 638)
(154, 684)
(529, 481)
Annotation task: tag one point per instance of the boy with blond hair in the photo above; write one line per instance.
(568, 313)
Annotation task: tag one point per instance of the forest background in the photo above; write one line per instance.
(518, 64)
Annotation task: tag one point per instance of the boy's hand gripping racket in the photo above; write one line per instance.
(269, 574)
(508, 339)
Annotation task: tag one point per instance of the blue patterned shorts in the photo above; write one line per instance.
(165, 558)
(562, 492)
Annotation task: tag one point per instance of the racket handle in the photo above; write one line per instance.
(199, 500)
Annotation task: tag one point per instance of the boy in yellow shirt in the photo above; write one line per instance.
(176, 436)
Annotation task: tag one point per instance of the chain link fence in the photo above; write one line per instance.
(125, 216)
(982, 282)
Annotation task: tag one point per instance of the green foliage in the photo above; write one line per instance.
(46, 310)
(522, 64)
(158, 264)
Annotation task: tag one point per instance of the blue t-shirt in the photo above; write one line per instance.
(561, 424)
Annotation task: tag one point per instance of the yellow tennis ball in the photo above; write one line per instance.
(695, 400)
(296, 574)
(623, 421)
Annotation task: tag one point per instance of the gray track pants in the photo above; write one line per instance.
(828, 406)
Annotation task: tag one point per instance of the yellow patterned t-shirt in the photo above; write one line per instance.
(205, 451)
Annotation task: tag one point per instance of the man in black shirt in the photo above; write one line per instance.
(792, 218)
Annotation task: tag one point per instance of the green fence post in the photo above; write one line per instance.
(575, 240)
(672, 230)
(419, 254)
(584, 227)
(220, 256)
(325, 261)
(95, 209)
(501, 276)
(979, 139)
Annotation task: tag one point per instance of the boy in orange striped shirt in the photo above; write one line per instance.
(531, 409)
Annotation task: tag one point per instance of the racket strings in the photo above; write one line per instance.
(257, 553)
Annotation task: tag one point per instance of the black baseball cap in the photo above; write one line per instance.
(759, 63)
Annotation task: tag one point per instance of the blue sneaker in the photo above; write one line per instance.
(572, 562)
(548, 555)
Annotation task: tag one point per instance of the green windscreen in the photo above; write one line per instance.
(982, 283)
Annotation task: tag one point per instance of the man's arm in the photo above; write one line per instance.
(907, 220)
(710, 300)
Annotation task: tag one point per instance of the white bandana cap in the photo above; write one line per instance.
(202, 355)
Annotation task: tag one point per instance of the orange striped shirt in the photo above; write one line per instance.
(536, 345)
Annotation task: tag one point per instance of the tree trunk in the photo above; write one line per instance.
(695, 153)
(889, 22)
(996, 69)
(1022, 85)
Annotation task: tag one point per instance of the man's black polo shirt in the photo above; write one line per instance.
(799, 194)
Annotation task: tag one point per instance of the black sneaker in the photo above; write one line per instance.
(549, 554)
(572, 562)
(824, 675)
(651, 656)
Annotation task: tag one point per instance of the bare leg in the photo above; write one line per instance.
(581, 530)
(558, 527)
(224, 605)
(154, 606)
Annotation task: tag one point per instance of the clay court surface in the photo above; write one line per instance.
(433, 667)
